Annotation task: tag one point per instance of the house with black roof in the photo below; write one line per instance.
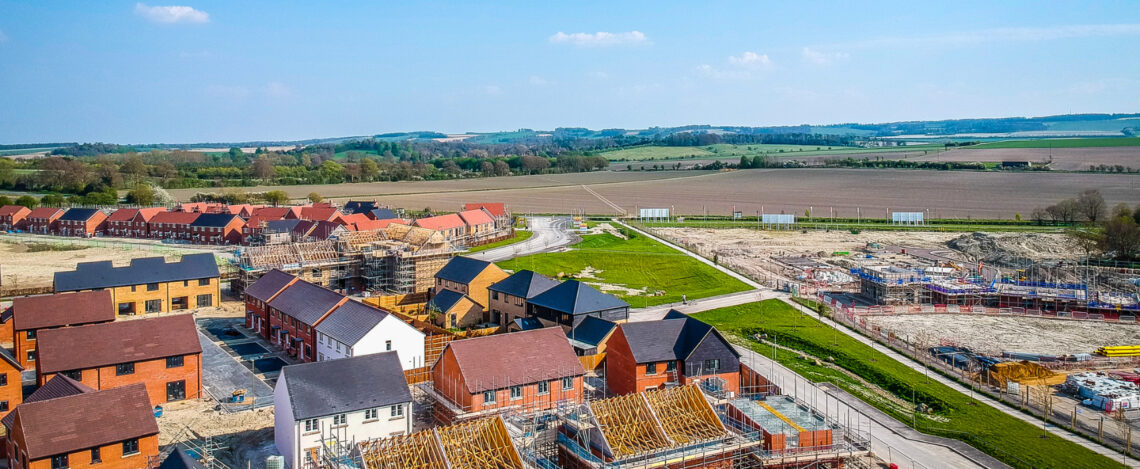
(349, 400)
(82, 222)
(149, 284)
(217, 228)
(382, 214)
(295, 313)
(453, 310)
(572, 301)
(356, 329)
(652, 354)
(470, 277)
(509, 296)
(590, 335)
(358, 206)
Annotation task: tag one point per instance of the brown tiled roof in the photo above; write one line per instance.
(45, 212)
(62, 309)
(497, 209)
(184, 218)
(319, 212)
(123, 214)
(57, 386)
(442, 222)
(83, 347)
(12, 209)
(81, 421)
(499, 361)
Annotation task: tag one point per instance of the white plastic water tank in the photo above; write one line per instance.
(275, 462)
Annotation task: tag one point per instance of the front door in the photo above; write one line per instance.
(176, 390)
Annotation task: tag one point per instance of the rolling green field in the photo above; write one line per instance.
(730, 151)
(1063, 143)
(953, 415)
(636, 263)
(519, 237)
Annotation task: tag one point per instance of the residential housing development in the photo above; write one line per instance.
(150, 284)
(34, 314)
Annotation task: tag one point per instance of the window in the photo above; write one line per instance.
(124, 369)
(31, 355)
(567, 383)
(340, 419)
(202, 282)
(494, 295)
(543, 387)
(670, 367)
(337, 346)
(154, 306)
(370, 414)
(132, 288)
(397, 411)
(59, 462)
(3, 406)
(74, 374)
(488, 397)
(205, 300)
(131, 446)
(712, 364)
(30, 335)
(3, 379)
(453, 323)
(518, 301)
(95, 456)
(650, 368)
(185, 283)
(311, 425)
(174, 362)
(152, 287)
(387, 345)
(516, 392)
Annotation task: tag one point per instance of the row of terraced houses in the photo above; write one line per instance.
(212, 223)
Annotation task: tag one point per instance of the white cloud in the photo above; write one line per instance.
(600, 39)
(822, 58)
(171, 14)
(3, 37)
(750, 60)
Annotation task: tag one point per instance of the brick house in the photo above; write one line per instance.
(451, 225)
(359, 206)
(12, 217)
(81, 222)
(649, 354)
(216, 228)
(11, 390)
(43, 220)
(320, 212)
(66, 424)
(531, 370)
(470, 277)
(497, 210)
(33, 314)
(258, 296)
(451, 310)
(478, 221)
(149, 284)
(162, 353)
(255, 224)
(171, 225)
(571, 301)
(131, 222)
(509, 296)
(294, 315)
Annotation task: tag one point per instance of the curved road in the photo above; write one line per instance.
(550, 234)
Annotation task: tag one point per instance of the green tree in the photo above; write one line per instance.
(142, 194)
(368, 169)
(52, 200)
(487, 168)
(315, 197)
(238, 157)
(502, 169)
(27, 201)
(134, 167)
(276, 197)
(5, 200)
(1091, 205)
(332, 172)
(745, 162)
(263, 168)
(7, 172)
(1121, 237)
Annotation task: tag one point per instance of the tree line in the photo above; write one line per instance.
(1094, 227)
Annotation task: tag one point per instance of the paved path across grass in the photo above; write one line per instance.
(550, 234)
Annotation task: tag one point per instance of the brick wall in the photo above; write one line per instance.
(11, 391)
(506, 305)
(111, 456)
(166, 292)
(153, 373)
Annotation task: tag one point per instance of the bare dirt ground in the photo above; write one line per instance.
(1068, 159)
(25, 269)
(992, 335)
(241, 436)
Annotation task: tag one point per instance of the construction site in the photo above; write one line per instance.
(396, 260)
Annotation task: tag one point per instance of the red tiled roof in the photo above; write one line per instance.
(76, 348)
(12, 209)
(498, 209)
(354, 218)
(62, 309)
(476, 217)
(502, 360)
(442, 222)
(86, 420)
(377, 224)
(150, 212)
(123, 214)
(317, 213)
(183, 218)
(45, 212)
(275, 213)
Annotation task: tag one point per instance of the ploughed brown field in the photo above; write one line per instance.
(1064, 159)
(944, 193)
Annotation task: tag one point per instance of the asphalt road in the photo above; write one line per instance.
(550, 234)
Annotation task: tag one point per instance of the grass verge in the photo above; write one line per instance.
(519, 237)
(635, 263)
(951, 413)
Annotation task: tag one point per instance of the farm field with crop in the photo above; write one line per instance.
(1061, 158)
(1064, 143)
(857, 368)
(724, 151)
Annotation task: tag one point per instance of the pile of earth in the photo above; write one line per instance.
(1014, 249)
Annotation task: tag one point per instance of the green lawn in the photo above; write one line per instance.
(519, 237)
(1063, 143)
(954, 414)
(636, 263)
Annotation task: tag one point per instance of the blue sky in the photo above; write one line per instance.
(200, 71)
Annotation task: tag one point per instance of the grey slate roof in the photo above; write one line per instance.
(180, 460)
(358, 206)
(269, 284)
(281, 226)
(575, 297)
(351, 384)
(444, 300)
(103, 274)
(78, 214)
(351, 321)
(383, 214)
(674, 314)
(667, 339)
(306, 302)
(524, 284)
(214, 220)
(591, 330)
(462, 269)
(526, 324)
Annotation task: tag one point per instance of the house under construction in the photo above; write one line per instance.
(477, 444)
(398, 259)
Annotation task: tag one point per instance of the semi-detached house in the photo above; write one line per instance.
(12, 217)
(356, 329)
(81, 222)
(33, 314)
(294, 315)
(131, 222)
(216, 228)
(149, 284)
(43, 220)
(172, 225)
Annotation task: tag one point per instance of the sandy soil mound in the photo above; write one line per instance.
(1013, 249)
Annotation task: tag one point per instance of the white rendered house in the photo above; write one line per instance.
(356, 329)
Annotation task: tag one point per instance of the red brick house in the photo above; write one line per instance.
(131, 222)
(498, 211)
(294, 314)
(12, 217)
(43, 220)
(451, 225)
(216, 228)
(320, 212)
(255, 223)
(649, 354)
(171, 225)
(66, 424)
(258, 296)
(32, 314)
(81, 222)
(11, 389)
(531, 370)
(163, 353)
